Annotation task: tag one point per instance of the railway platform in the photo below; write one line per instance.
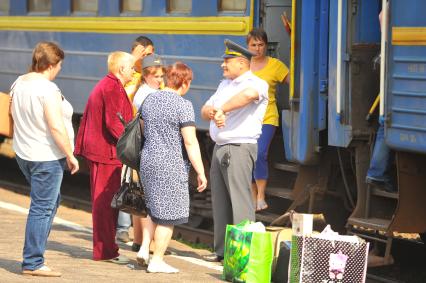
(69, 250)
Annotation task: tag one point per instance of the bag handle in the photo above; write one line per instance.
(12, 88)
(131, 177)
(139, 179)
(277, 243)
(125, 174)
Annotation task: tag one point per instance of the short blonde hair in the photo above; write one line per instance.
(118, 59)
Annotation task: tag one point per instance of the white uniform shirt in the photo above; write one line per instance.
(32, 139)
(243, 125)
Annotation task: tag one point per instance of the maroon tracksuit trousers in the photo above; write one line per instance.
(105, 181)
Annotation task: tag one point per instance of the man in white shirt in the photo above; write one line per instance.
(235, 112)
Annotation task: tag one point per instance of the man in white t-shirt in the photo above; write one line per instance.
(236, 113)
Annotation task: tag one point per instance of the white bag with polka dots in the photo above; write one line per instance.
(316, 259)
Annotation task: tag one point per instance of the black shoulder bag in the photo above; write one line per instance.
(130, 143)
(130, 198)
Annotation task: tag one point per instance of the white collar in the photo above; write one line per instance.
(241, 77)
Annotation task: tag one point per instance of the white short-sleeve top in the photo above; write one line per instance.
(243, 125)
(141, 94)
(32, 139)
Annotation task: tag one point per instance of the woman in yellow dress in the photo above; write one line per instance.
(273, 71)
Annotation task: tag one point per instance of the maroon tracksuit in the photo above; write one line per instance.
(97, 137)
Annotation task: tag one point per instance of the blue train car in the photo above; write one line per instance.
(335, 80)
(405, 104)
(190, 31)
(403, 109)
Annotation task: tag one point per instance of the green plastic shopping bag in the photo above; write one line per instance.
(248, 255)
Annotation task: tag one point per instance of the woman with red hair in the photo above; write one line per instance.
(170, 146)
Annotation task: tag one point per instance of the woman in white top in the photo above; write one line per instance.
(152, 81)
(152, 78)
(43, 142)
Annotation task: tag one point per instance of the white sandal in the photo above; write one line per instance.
(143, 260)
(161, 267)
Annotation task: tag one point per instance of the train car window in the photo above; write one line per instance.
(131, 6)
(179, 6)
(85, 6)
(39, 6)
(4, 6)
(232, 5)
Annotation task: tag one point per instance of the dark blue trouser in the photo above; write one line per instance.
(381, 160)
(261, 170)
(45, 178)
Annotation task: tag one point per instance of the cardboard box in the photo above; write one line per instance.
(302, 224)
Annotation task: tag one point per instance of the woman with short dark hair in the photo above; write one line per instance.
(43, 141)
(170, 146)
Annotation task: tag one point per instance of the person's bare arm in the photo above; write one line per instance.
(239, 100)
(193, 149)
(207, 112)
(55, 123)
(287, 79)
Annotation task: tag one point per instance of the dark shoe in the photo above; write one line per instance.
(375, 183)
(381, 185)
(123, 236)
(213, 258)
(44, 271)
(136, 247)
(121, 259)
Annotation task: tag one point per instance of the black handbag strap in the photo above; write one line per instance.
(121, 119)
(140, 108)
(139, 113)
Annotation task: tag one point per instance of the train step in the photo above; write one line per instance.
(201, 204)
(377, 224)
(284, 193)
(376, 261)
(373, 230)
(266, 217)
(382, 193)
(286, 166)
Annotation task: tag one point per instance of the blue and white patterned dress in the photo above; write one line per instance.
(164, 168)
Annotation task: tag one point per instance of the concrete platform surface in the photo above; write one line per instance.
(69, 250)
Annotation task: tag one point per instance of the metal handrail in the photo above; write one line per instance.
(383, 57)
(339, 60)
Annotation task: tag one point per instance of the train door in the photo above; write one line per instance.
(305, 117)
(279, 40)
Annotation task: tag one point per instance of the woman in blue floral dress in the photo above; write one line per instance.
(170, 147)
